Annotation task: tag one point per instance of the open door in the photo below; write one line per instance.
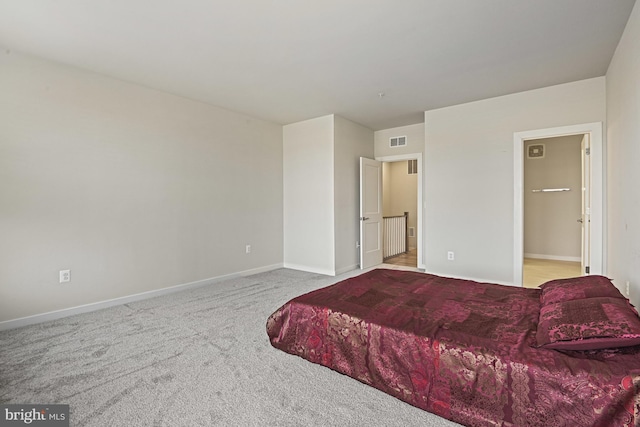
(585, 218)
(370, 213)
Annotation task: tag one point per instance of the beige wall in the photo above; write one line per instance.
(386, 187)
(469, 168)
(400, 191)
(623, 155)
(551, 229)
(131, 189)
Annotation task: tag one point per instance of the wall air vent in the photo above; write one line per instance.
(412, 166)
(535, 151)
(398, 141)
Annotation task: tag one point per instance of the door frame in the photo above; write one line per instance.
(585, 205)
(598, 258)
(420, 204)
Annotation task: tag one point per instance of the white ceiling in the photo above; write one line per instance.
(291, 60)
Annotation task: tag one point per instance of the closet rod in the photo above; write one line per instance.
(550, 190)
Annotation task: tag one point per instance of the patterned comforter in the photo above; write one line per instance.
(459, 349)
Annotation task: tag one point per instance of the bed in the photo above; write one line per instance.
(478, 354)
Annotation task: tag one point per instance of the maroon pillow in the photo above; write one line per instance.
(588, 324)
(578, 288)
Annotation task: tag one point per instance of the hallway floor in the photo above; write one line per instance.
(408, 259)
(535, 271)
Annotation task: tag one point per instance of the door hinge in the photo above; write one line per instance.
(586, 270)
(587, 151)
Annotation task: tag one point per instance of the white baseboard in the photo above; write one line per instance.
(347, 269)
(308, 269)
(66, 312)
(553, 257)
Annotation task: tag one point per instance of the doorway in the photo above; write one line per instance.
(553, 200)
(403, 164)
(370, 195)
(400, 208)
(589, 219)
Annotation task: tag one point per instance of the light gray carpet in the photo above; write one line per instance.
(195, 358)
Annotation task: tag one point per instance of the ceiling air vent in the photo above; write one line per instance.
(398, 141)
(535, 151)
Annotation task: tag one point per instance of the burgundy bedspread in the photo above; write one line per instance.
(459, 349)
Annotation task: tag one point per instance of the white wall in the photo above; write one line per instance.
(309, 195)
(415, 140)
(469, 173)
(351, 141)
(623, 154)
(132, 189)
(551, 229)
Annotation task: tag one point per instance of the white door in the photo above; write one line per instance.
(370, 213)
(585, 218)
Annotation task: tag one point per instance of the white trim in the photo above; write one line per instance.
(598, 254)
(420, 204)
(308, 269)
(553, 257)
(86, 308)
(398, 157)
(347, 269)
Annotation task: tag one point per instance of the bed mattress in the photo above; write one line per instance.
(463, 350)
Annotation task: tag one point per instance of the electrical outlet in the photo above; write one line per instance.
(451, 256)
(247, 249)
(65, 276)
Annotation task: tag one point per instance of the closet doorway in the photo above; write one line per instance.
(553, 200)
(558, 227)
